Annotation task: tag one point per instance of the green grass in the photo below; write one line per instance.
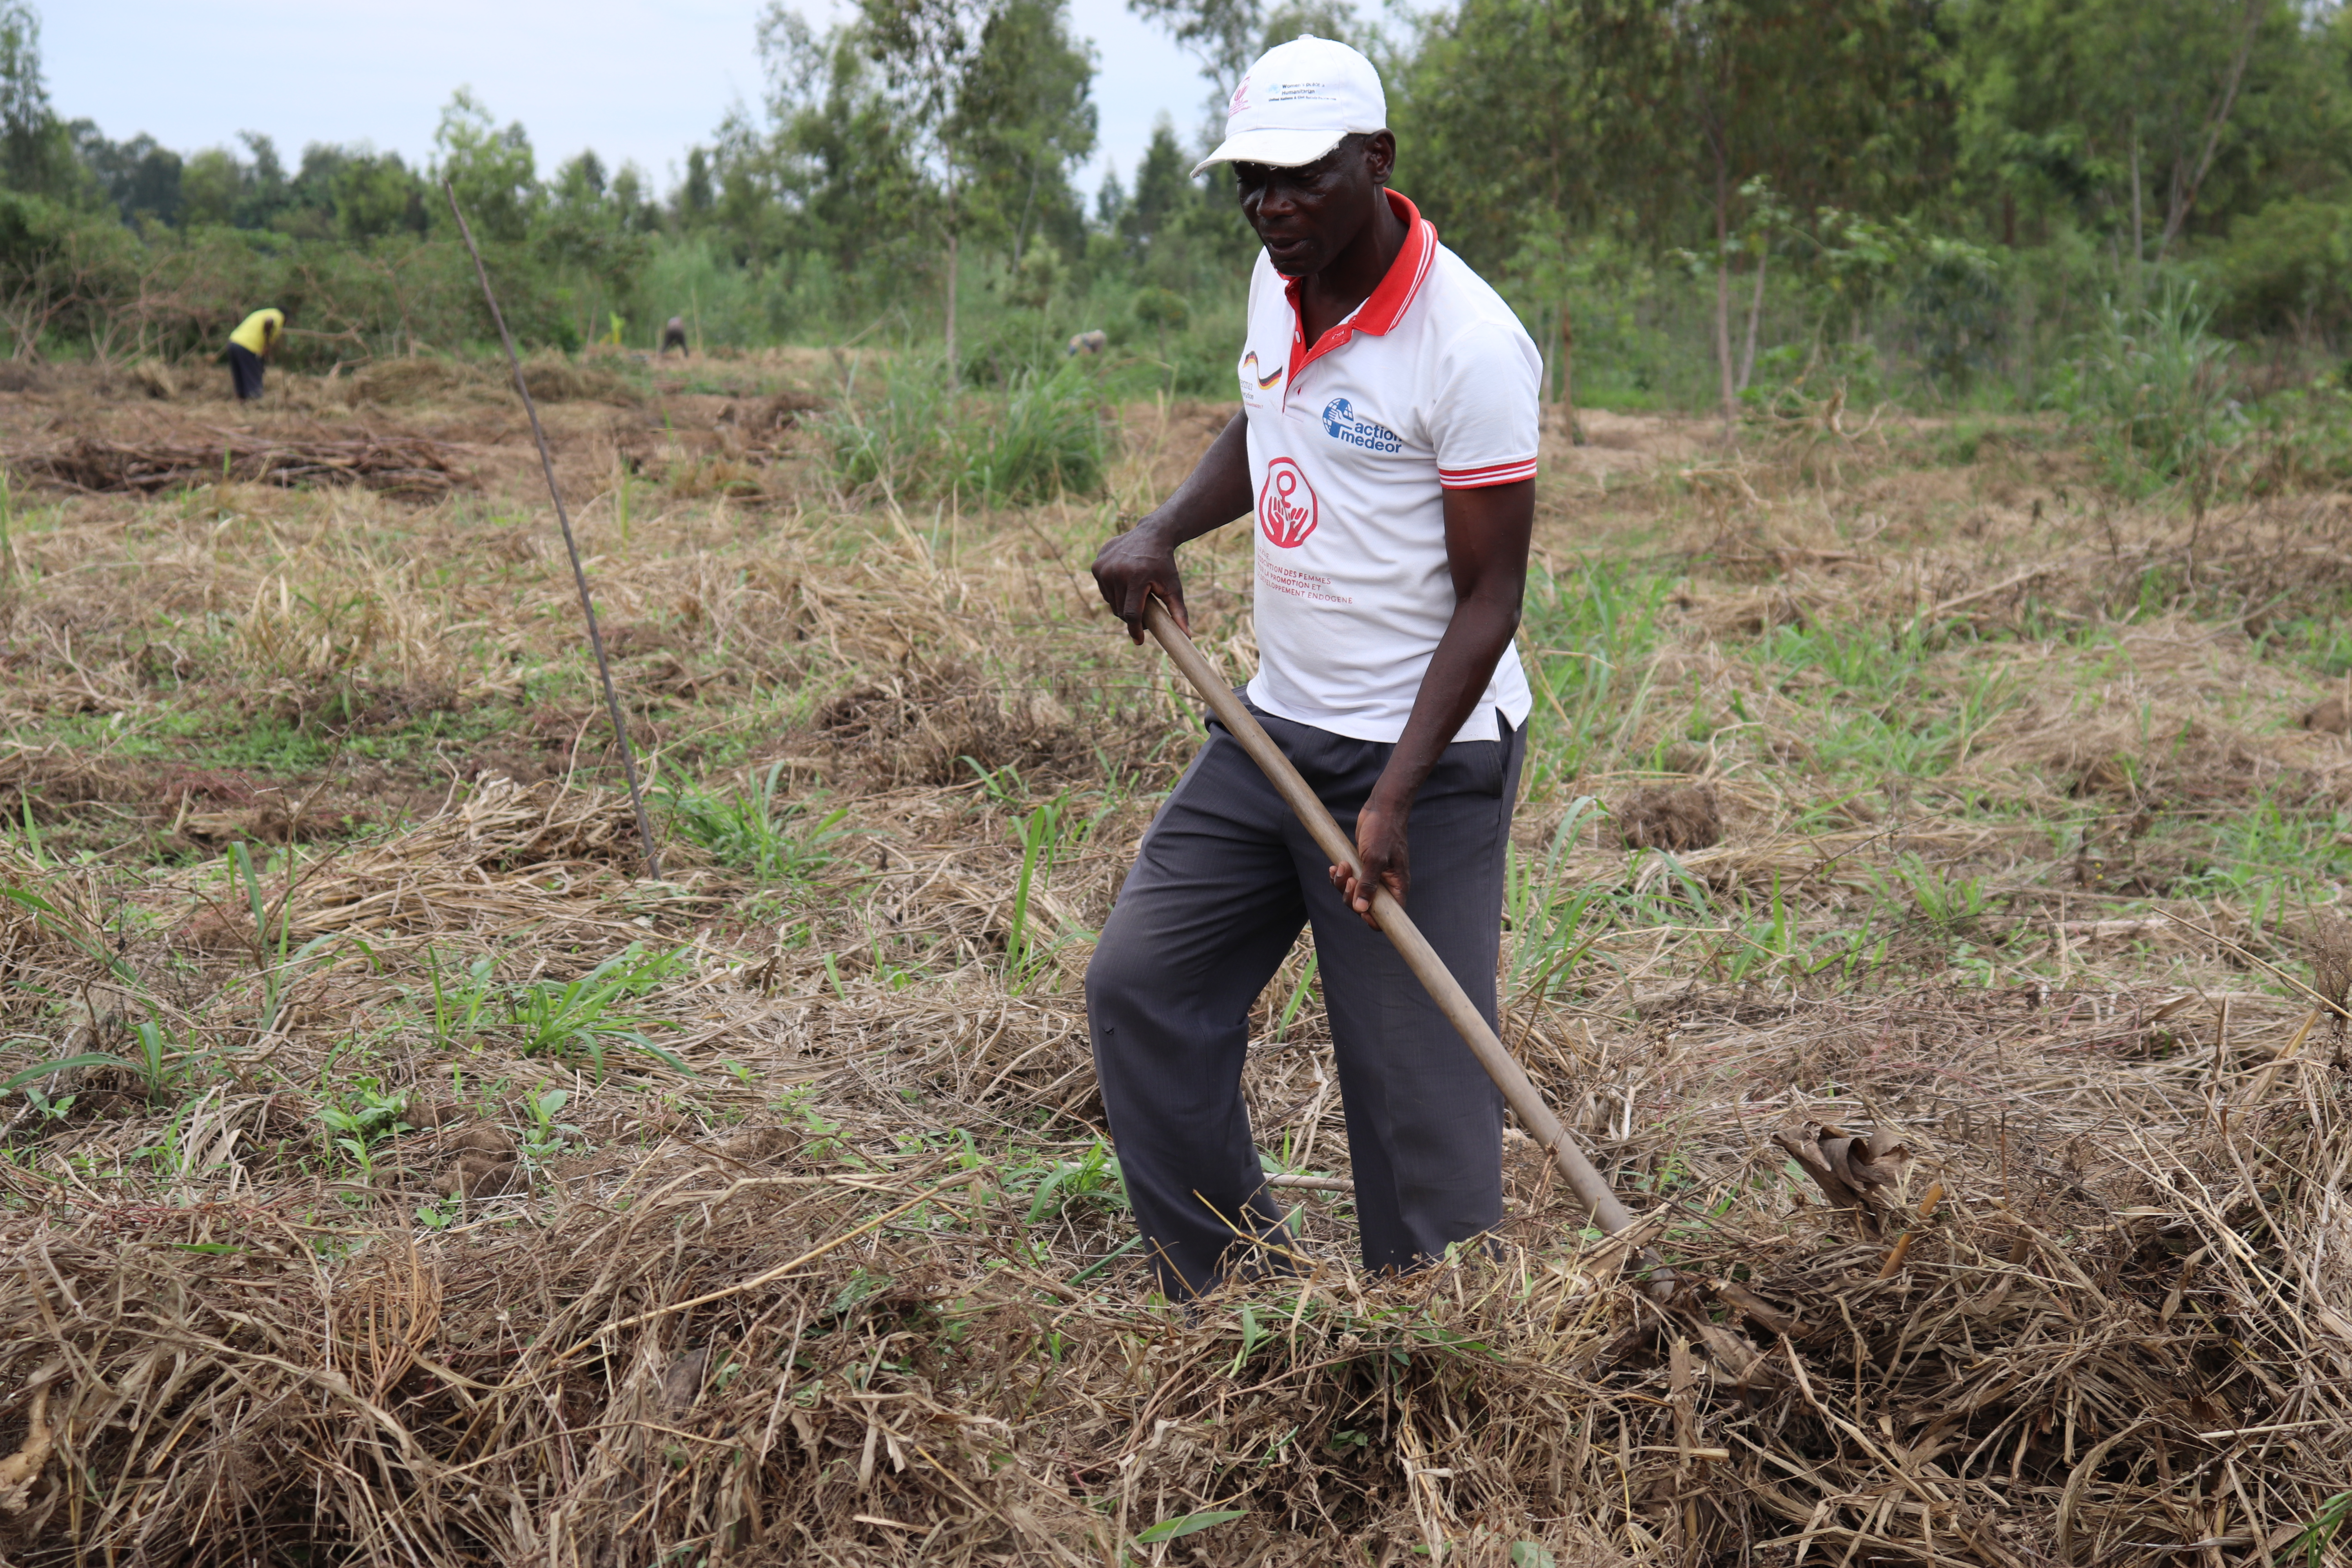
(1590, 635)
(589, 1017)
(2321, 643)
(2272, 843)
(1043, 435)
(776, 841)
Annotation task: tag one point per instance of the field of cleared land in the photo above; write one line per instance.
(1922, 910)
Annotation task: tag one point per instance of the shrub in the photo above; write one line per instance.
(74, 282)
(2287, 268)
(1957, 309)
(2150, 390)
(1048, 437)
(1163, 311)
(2298, 440)
(1018, 344)
(61, 272)
(1044, 435)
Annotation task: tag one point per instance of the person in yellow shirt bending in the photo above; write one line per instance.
(248, 348)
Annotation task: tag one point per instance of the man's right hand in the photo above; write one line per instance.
(1135, 565)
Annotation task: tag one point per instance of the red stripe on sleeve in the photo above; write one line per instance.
(1493, 474)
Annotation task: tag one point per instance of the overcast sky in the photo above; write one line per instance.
(633, 79)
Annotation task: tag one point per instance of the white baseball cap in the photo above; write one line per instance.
(1296, 102)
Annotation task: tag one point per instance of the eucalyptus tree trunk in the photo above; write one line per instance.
(1723, 292)
(1755, 313)
(953, 246)
(2188, 182)
(1569, 421)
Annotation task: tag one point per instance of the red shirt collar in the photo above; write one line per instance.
(1387, 304)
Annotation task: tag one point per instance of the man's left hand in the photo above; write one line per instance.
(1381, 847)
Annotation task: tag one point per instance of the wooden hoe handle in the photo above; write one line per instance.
(1524, 1099)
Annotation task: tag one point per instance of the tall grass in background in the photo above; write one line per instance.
(2150, 391)
(1045, 434)
(727, 304)
(722, 302)
(1589, 634)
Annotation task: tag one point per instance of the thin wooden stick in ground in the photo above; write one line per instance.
(579, 573)
(1518, 1091)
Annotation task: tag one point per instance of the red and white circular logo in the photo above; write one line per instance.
(1286, 510)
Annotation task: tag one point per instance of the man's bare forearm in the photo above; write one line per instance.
(1487, 534)
(1215, 492)
(1141, 562)
(1457, 680)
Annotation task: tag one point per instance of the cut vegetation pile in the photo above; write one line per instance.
(1947, 986)
(430, 378)
(2080, 1321)
(405, 466)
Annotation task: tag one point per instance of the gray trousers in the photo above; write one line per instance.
(1224, 879)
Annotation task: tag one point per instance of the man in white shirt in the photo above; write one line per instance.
(1385, 451)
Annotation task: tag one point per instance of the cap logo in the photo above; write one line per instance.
(1295, 101)
(1286, 508)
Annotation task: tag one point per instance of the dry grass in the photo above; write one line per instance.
(414, 469)
(453, 1195)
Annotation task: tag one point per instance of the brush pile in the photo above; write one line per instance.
(408, 467)
(2044, 1302)
(505, 857)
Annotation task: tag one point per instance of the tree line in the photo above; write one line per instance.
(1756, 188)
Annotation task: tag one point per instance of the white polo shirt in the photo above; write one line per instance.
(1430, 385)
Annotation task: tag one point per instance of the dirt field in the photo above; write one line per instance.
(1923, 910)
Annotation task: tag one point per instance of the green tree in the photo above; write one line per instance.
(927, 50)
(1025, 118)
(1150, 221)
(210, 184)
(1512, 202)
(2134, 115)
(833, 186)
(264, 194)
(697, 196)
(629, 196)
(1175, 231)
(377, 194)
(141, 177)
(588, 228)
(36, 153)
(357, 195)
(492, 169)
(1526, 121)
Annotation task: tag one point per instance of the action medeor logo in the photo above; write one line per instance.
(1286, 508)
(1342, 423)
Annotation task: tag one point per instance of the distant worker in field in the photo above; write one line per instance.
(1092, 343)
(249, 348)
(673, 335)
(1384, 446)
